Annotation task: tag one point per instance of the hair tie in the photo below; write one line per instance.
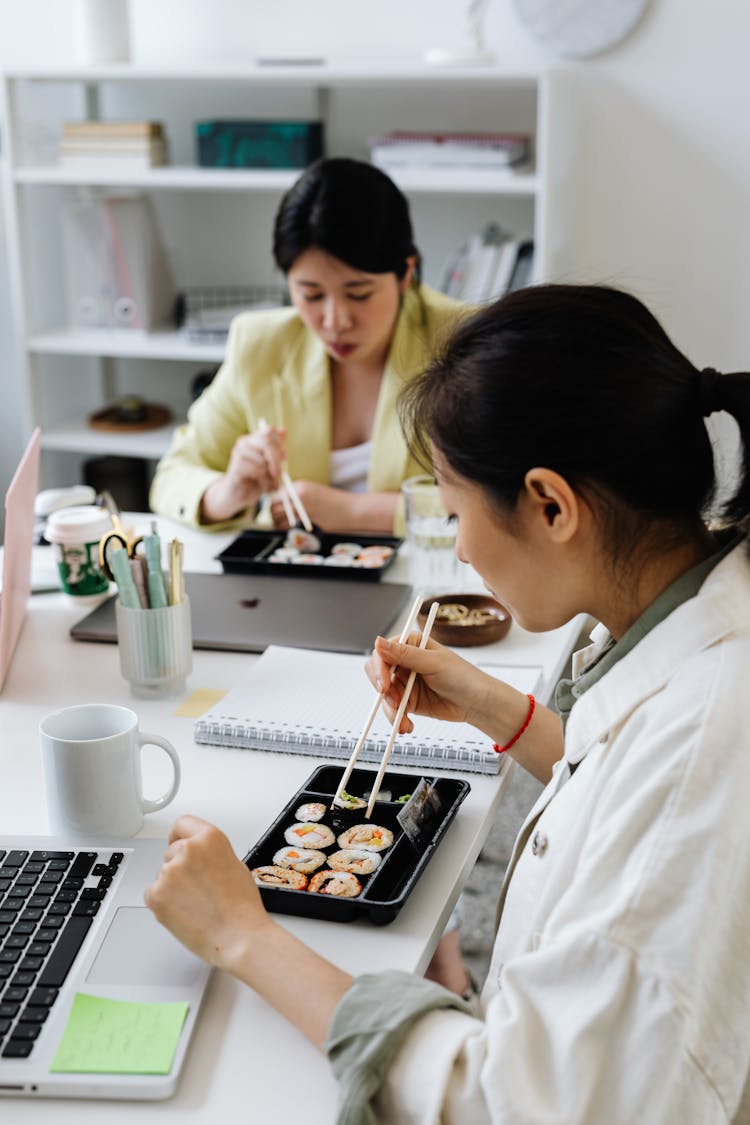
(708, 391)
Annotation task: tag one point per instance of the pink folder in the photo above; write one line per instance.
(19, 541)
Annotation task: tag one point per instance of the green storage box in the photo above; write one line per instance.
(258, 144)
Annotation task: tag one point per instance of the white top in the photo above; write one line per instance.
(619, 989)
(349, 467)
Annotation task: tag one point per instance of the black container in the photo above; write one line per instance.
(386, 890)
(249, 554)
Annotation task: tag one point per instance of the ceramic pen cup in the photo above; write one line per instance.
(156, 648)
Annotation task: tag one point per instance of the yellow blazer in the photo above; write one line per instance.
(278, 343)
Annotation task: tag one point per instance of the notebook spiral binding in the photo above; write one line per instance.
(474, 757)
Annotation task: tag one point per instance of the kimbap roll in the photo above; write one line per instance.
(340, 883)
(302, 540)
(305, 860)
(312, 811)
(371, 837)
(307, 835)
(274, 876)
(357, 860)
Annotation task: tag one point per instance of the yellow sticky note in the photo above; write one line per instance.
(119, 1037)
(200, 701)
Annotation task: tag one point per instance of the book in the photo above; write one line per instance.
(449, 150)
(74, 130)
(300, 701)
(131, 154)
(506, 263)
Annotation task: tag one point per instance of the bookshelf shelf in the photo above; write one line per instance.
(215, 223)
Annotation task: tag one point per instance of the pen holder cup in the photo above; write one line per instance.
(156, 648)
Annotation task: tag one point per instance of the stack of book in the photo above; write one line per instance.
(121, 145)
(489, 264)
(449, 150)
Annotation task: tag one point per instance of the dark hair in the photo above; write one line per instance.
(351, 210)
(582, 380)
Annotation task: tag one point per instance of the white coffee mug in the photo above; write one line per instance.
(92, 770)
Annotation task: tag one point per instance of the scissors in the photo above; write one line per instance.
(118, 535)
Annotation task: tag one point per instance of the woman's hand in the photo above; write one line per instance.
(206, 896)
(254, 468)
(327, 507)
(446, 686)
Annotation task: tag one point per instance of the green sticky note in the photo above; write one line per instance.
(119, 1037)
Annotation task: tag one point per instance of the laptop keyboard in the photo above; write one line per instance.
(48, 901)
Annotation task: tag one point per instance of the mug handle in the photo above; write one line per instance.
(155, 740)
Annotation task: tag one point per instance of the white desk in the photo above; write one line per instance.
(245, 1061)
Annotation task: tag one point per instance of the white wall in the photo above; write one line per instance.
(663, 186)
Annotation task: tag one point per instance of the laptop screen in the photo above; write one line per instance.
(19, 541)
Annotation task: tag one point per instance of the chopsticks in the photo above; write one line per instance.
(294, 509)
(403, 637)
(291, 491)
(400, 713)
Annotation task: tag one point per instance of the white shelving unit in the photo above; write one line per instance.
(216, 223)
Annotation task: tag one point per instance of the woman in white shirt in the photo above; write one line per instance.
(568, 439)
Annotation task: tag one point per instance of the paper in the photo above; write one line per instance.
(297, 701)
(199, 702)
(119, 1037)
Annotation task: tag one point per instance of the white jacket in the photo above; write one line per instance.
(619, 990)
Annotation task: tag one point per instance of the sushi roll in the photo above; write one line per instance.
(340, 883)
(358, 861)
(350, 549)
(369, 562)
(376, 551)
(349, 801)
(309, 560)
(307, 835)
(274, 876)
(284, 555)
(312, 811)
(371, 837)
(339, 560)
(302, 540)
(305, 860)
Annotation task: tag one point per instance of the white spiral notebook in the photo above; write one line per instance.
(300, 701)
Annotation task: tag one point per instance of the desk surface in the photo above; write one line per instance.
(242, 1053)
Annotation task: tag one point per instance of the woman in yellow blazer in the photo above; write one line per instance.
(316, 384)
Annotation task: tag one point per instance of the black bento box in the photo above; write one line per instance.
(249, 554)
(386, 890)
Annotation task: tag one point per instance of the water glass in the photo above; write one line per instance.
(431, 537)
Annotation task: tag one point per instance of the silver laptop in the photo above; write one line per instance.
(247, 613)
(74, 936)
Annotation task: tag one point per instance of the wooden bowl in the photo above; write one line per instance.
(484, 619)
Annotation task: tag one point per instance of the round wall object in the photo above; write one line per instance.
(580, 27)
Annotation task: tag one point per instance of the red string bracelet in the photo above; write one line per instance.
(521, 729)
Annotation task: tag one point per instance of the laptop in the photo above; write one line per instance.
(17, 548)
(76, 936)
(247, 613)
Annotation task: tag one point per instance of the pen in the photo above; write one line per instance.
(138, 571)
(157, 594)
(176, 585)
(120, 564)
